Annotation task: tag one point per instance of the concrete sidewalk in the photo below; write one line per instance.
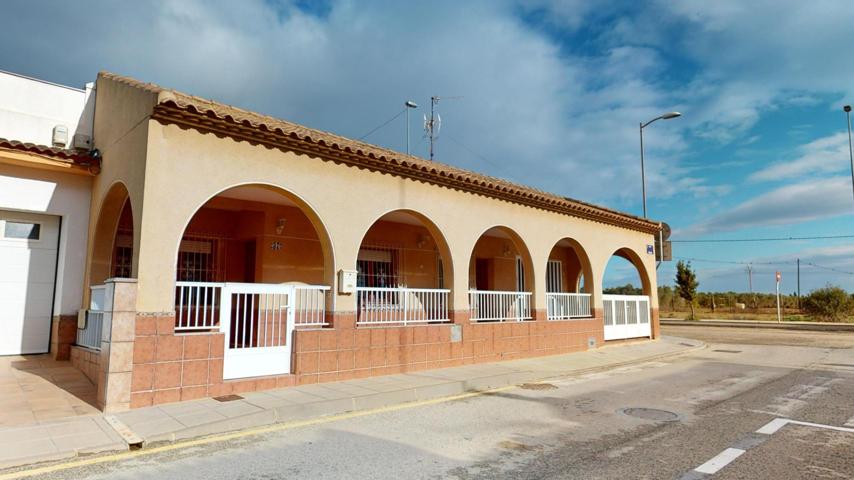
(179, 421)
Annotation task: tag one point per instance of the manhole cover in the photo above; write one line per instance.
(537, 386)
(653, 414)
(228, 398)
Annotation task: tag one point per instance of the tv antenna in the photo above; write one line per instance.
(433, 124)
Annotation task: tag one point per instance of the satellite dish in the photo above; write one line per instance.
(665, 231)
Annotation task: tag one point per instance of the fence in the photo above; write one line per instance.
(564, 306)
(90, 335)
(486, 306)
(401, 305)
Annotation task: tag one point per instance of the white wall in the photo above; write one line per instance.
(64, 195)
(30, 108)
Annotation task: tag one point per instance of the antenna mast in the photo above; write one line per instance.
(433, 124)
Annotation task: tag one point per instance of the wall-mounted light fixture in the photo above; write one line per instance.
(280, 225)
(507, 252)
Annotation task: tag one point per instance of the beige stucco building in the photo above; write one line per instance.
(229, 251)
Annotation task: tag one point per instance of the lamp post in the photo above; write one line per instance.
(847, 109)
(666, 116)
(409, 105)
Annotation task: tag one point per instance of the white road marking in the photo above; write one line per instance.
(771, 427)
(720, 461)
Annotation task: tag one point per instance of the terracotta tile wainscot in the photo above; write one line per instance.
(170, 367)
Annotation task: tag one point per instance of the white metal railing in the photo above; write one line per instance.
(626, 309)
(310, 305)
(485, 306)
(90, 335)
(563, 306)
(198, 305)
(377, 306)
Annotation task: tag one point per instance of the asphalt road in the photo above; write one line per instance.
(576, 427)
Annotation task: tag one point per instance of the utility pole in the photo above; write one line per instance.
(799, 284)
(847, 109)
(750, 282)
(409, 105)
(779, 316)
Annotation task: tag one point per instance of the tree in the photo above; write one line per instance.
(686, 283)
(830, 303)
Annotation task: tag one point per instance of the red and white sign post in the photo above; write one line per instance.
(779, 317)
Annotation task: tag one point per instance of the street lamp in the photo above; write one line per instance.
(847, 109)
(409, 104)
(666, 116)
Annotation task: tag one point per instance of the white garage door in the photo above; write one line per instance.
(28, 245)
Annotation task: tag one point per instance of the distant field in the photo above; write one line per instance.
(789, 315)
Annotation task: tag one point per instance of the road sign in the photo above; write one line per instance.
(666, 252)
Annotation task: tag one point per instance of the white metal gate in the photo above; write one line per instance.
(626, 316)
(258, 330)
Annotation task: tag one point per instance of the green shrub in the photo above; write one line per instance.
(830, 303)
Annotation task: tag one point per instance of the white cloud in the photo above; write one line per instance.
(824, 155)
(791, 204)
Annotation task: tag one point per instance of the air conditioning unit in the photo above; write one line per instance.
(60, 136)
(82, 141)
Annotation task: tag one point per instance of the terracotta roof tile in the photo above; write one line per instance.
(71, 156)
(214, 112)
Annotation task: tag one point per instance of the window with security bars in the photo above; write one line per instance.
(199, 259)
(378, 267)
(554, 276)
(122, 254)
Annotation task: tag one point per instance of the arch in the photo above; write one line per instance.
(435, 236)
(268, 194)
(509, 245)
(115, 209)
(632, 257)
(575, 266)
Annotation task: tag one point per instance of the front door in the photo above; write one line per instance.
(259, 332)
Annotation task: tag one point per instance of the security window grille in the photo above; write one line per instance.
(554, 276)
(378, 267)
(198, 259)
(123, 254)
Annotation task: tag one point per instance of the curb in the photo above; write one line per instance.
(802, 326)
(292, 413)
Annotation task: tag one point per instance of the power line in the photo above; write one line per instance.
(829, 268)
(769, 239)
(732, 262)
(384, 124)
(736, 262)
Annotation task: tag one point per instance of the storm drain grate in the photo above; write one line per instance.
(537, 386)
(653, 414)
(686, 344)
(727, 351)
(849, 365)
(228, 398)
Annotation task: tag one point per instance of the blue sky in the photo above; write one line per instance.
(552, 94)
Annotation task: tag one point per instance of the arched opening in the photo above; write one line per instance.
(626, 289)
(501, 287)
(625, 274)
(568, 295)
(253, 234)
(403, 271)
(112, 244)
